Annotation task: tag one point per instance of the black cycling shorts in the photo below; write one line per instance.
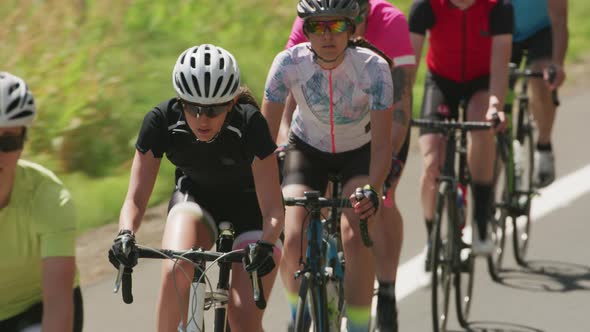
(238, 207)
(538, 47)
(308, 166)
(34, 316)
(442, 97)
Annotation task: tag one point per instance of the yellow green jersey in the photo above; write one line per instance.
(39, 221)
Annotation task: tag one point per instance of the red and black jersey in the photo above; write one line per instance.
(461, 40)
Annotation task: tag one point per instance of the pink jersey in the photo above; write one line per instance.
(387, 29)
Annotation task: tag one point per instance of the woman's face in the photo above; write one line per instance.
(328, 36)
(11, 147)
(463, 4)
(206, 121)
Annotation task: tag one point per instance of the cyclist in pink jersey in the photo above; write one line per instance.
(386, 27)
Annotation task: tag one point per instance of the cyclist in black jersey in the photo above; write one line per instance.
(221, 146)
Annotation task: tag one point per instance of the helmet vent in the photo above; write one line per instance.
(207, 83)
(12, 88)
(196, 83)
(178, 85)
(22, 114)
(221, 63)
(228, 85)
(193, 62)
(217, 85)
(13, 105)
(207, 59)
(185, 84)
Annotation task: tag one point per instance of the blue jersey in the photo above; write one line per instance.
(530, 16)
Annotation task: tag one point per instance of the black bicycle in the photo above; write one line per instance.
(451, 258)
(201, 299)
(513, 173)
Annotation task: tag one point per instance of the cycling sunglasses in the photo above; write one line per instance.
(11, 143)
(319, 27)
(210, 111)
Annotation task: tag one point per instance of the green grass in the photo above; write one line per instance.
(97, 66)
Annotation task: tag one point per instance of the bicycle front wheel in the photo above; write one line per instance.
(315, 292)
(524, 187)
(442, 242)
(464, 276)
(502, 202)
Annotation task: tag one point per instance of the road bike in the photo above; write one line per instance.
(513, 172)
(452, 263)
(202, 295)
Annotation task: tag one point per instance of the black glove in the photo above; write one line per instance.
(259, 258)
(370, 193)
(123, 251)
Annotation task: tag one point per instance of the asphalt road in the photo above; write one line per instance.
(552, 295)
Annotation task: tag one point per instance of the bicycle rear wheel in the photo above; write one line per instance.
(442, 242)
(524, 187)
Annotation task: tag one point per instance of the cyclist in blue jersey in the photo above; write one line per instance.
(39, 288)
(342, 125)
(541, 30)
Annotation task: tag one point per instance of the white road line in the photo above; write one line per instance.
(410, 274)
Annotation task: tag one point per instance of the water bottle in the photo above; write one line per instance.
(518, 167)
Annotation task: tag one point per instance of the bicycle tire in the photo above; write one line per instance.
(316, 294)
(441, 261)
(464, 276)
(502, 199)
(300, 322)
(522, 223)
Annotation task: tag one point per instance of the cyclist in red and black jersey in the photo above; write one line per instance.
(470, 45)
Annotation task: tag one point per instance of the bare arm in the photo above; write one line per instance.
(290, 105)
(270, 198)
(501, 50)
(558, 15)
(402, 77)
(272, 112)
(58, 299)
(141, 183)
(417, 43)
(381, 147)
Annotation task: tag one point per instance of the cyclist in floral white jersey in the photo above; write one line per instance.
(342, 125)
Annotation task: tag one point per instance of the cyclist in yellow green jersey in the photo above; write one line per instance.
(38, 285)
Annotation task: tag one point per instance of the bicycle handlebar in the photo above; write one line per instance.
(451, 125)
(236, 256)
(313, 200)
(516, 73)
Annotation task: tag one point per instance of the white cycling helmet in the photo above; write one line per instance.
(206, 74)
(17, 106)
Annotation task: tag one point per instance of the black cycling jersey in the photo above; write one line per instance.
(223, 164)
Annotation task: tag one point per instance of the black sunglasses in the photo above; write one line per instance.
(210, 111)
(11, 143)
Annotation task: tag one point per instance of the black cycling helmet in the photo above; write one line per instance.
(312, 8)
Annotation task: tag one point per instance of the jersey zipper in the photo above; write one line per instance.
(332, 137)
(464, 60)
